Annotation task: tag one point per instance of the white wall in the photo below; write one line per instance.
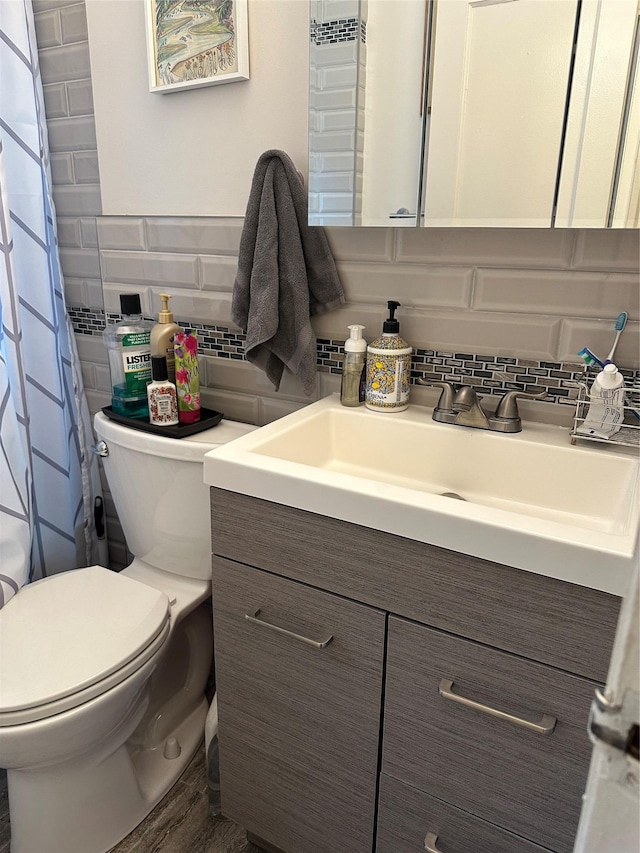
(194, 152)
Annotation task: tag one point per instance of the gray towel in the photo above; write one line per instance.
(286, 274)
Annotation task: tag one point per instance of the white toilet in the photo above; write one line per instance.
(102, 674)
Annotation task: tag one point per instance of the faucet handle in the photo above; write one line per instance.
(448, 392)
(507, 408)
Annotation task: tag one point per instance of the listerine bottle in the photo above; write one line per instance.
(128, 342)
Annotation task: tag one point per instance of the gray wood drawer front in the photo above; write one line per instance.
(564, 625)
(406, 815)
(528, 783)
(299, 725)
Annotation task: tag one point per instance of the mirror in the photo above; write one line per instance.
(474, 113)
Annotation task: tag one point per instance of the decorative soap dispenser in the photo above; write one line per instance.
(388, 368)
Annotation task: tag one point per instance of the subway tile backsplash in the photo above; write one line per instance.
(499, 308)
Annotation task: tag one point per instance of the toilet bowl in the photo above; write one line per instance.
(102, 674)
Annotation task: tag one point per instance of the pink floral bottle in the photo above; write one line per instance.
(163, 400)
(185, 346)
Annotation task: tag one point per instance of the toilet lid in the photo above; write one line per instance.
(66, 632)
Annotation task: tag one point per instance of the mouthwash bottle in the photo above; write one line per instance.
(129, 345)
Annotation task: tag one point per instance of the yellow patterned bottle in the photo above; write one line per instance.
(388, 368)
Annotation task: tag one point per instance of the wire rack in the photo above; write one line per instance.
(629, 434)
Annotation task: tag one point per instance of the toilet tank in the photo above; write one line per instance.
(157, 485)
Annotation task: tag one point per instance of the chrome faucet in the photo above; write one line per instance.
(460, 405)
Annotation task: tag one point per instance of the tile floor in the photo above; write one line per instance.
(180, 823)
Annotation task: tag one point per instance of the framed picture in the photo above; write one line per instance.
(193, 43)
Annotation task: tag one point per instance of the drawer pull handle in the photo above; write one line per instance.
(544, 727)
(430, 843)
(317, 644)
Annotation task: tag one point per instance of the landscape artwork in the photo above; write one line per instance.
(196, 43)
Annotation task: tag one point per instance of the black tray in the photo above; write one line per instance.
(208, 419)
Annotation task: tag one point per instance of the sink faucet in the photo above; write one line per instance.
(460, 405)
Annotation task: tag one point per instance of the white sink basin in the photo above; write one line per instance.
(530, 500)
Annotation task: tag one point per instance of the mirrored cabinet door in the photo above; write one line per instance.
(474, 113)
(366, 95)
(496, 109)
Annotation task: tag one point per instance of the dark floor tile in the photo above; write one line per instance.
(195, 774)
(5, 829)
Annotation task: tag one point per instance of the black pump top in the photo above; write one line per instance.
(159, 368)
(391, 324)
(130, 303)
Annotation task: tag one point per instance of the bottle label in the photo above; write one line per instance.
(135, 339)
(388, 381)
(137, 371)
(187, 374)
(163, 407)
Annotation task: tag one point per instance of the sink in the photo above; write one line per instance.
(530, 500)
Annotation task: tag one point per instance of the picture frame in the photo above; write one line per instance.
(194, 43)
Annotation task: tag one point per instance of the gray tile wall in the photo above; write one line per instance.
(472, 301)
(493, 306)
(61, 30)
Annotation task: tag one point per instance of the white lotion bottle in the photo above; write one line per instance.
(606, 406)
(353, 368)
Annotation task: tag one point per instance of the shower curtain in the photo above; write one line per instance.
(49, 478)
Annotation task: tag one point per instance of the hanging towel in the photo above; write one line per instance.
(286, 274)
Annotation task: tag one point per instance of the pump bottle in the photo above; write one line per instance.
(353, 368)
(388, 368)
(162, 335)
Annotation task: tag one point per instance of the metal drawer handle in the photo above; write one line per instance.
(317, 644)
(544, 727)
(430, 843)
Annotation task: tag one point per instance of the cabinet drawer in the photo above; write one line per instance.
(406, 818)
(299, 724)
(527, 782)
(564, 625)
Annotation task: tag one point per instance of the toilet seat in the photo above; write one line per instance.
(72, 636)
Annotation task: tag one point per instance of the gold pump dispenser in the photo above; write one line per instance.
(162, 335)
(165, 315)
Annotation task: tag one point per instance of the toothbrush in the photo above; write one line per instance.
(621, 322)
(589, 358)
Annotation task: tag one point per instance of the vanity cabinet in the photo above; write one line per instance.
(523, 772)
(361, 742)
(299, 711)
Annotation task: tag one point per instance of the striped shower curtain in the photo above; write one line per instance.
(49, 479)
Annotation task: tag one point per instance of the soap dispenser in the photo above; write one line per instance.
(388, 368)
(353, 368)
(162, 335)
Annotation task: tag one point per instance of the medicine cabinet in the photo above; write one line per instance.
(475, 113)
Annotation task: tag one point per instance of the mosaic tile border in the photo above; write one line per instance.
(493, 374)
(338, 31)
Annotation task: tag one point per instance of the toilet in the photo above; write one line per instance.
(102, 674)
